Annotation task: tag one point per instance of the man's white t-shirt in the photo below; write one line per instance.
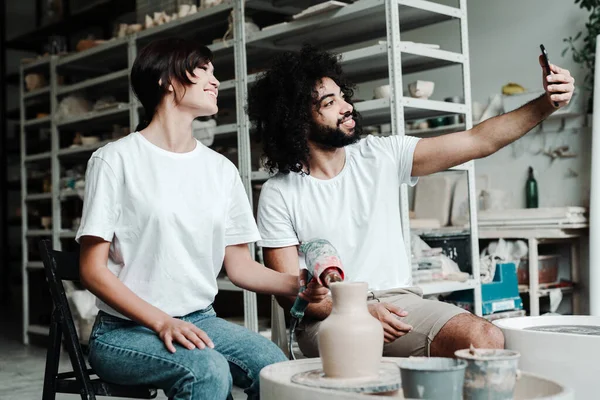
(168, 216)
(358, 211)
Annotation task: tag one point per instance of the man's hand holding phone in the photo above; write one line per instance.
(558, 83)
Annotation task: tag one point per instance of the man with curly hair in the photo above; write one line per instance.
(332, 184)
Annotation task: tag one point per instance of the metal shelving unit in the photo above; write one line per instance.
(35, 265)
(35, 93)
(404, 108)
(38, 156)
(121, 77)
(447, 286)
(27, 125)
(93, 116)
(565, 237)
(39, 232)
(375, 20)
(36, 121)
(38, 196)
(83, 148)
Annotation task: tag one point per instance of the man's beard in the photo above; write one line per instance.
(335, 137)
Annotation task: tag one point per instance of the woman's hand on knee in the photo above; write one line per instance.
(184, 333)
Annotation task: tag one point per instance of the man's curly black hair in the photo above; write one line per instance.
(280, 104)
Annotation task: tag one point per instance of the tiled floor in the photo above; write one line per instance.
(22, 372)
(22, 367)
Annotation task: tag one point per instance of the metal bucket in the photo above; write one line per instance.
(433, 378)
(491, 374)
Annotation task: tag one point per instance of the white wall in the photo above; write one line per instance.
(504, 39)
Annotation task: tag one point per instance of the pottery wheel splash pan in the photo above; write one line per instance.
(572, 329)
(387, 381)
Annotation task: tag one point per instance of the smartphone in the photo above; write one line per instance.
(546, 63)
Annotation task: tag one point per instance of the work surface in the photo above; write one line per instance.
(275, 384)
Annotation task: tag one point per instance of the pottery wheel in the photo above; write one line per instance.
(574, 329)
(387, 381)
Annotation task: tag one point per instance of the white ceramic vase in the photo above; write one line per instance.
(350, 339)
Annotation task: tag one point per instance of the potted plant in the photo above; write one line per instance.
(586, 53)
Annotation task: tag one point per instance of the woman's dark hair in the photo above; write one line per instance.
(165, 60)
(281, 101)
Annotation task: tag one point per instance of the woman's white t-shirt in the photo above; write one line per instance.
(168, 216)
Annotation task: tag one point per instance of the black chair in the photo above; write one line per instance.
(64, 266)
(61, 266)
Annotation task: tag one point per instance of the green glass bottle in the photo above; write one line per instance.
(531, 191)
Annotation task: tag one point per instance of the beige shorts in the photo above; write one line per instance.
(427, 317)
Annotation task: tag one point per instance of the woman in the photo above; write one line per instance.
(164, 213)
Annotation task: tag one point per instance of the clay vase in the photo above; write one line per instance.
(350, 339)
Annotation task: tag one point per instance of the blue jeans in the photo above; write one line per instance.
(127, 353)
